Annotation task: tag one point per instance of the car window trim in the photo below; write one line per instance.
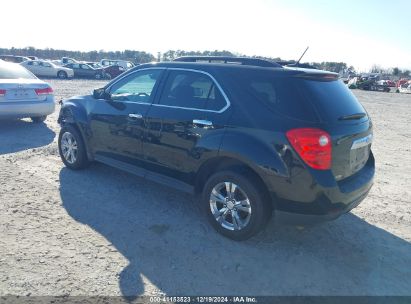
(155, 88)
(216, 83)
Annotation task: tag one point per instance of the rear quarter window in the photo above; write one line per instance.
(278, 93)
(302, 99)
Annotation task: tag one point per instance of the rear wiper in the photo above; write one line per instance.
(352, 116)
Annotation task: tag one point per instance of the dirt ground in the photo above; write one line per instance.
(105, 232)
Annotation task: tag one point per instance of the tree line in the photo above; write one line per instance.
(129, 55)
(139, 57)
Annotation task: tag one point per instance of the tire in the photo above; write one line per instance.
(62, 74)
(107, 76)
(242, 220)
(72, 149)
(39, 119)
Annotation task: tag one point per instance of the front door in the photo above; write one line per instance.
(117, 124)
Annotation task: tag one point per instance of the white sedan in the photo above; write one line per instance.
(23, 95)
(47, 69)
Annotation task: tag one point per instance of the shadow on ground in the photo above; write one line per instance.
(165, 238)
(19, 135)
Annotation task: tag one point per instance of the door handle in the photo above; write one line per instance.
(201, 122)
(135, 116)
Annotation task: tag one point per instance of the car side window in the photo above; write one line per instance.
(75, 66)
(193, 90)
(85, 67)
(46, 65)
(137, 87)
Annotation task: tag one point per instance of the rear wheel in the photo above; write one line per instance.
(236, 207)
(62, 75)
(72, 149)
(39, 119)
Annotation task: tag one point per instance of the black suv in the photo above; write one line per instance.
(250, 137)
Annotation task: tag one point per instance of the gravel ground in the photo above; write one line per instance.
(105, 232)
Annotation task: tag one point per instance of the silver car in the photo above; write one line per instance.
(23, 95)
(44, 68)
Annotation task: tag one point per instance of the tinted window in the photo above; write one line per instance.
(298, 98)
(137, 87)
(332, 99)
(14, 71)
(191, 90)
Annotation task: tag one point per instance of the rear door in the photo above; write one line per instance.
(117, 124)
(34, 67)
(191, 110)
(87, 71)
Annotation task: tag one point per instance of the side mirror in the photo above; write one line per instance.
(101, 94)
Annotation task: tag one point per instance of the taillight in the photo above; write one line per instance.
(313, 146)
(44, 91)
(2, 93)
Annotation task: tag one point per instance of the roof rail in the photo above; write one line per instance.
(293, 64)
(230, 60)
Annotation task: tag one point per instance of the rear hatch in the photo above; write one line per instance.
(344, 118)
(315, 99)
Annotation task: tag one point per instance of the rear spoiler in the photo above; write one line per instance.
(322, 76)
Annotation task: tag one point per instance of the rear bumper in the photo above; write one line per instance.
(22, 109)
(285, 217)
(321, 198)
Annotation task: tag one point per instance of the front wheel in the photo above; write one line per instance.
(72, 149)
(236, 207)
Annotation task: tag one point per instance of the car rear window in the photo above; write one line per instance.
(303, 99)
(14, 71)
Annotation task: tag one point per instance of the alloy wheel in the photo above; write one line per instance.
(230, 206)
(69, 147)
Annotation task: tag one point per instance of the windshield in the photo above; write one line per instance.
(14, 71)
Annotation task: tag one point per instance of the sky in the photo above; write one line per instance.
(361, 33)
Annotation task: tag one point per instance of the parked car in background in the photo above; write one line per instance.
(84, 70)
(113, 71)
(33, 57)
(95, 65)
(12, 58)
(123, 63)
(22, 94)
(251, 138)
(405, 88)
(401, 82)
(44, 68)
(64, 60)
(391, 83)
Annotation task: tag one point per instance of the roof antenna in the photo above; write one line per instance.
(298, 62)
